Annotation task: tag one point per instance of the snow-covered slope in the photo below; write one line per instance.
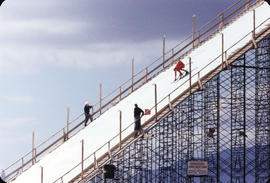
(65, 157)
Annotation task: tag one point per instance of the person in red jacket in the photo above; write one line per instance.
(179, 66)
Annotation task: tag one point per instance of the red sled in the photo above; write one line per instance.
(147, 111)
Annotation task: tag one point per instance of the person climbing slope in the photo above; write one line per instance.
(178, 68)
(87, 114)
(138, 114)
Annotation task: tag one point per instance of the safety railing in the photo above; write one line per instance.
(137, 80)
(218, 61)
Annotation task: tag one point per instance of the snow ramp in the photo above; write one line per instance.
(205, 52)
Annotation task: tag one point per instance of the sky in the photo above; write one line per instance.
(55, 53)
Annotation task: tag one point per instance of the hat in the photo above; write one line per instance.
(86, 102)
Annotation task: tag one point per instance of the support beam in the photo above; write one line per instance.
(33, 148)
(82, 158)
(193, 31)
(41, 169)
(163, 50)
(67, 123)
(120, 129)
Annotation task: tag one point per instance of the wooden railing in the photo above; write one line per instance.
(195, 78)
(166, 60)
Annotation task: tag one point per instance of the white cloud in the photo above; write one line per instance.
(16, 122)
(24, 99)
(29, 59)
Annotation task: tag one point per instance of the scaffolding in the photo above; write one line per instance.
(226, 124)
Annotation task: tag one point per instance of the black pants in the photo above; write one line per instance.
(87, 117)
(137, 127)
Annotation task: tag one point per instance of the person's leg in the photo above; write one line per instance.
(139, 126)
(180, 73)
(136, 127)
(175, 73)
(185, 71)
(87, 116)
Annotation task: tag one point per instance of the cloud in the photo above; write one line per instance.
(18, 121)
(17, 60)
(24, 99)
(88, 34)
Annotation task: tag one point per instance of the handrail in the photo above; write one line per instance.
(166, 97)
(124, 91)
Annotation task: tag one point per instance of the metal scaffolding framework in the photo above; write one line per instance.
(226, 124)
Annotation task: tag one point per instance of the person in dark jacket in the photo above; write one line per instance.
(1, 1)
(138, 114)
(87, 114)
(1, 181)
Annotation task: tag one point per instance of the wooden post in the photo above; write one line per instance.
(33, 148)
(190, 75)
(120, 129)
(199, 82)
(155, 102)
(222, 19)
(67, 122)
(41, 168)
(193, 30)
(22, 165)
(64, 135)
(120, 90)
(254, 24)
(222, 48)
(82, 141)
(100, 98)
(132, 77)
(146, 74)
(163, 51)
(226, 59)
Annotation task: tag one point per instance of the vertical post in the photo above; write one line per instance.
(100, 98)
(132, 77)
(221, 22)
(67, 122)
(193, 30)
(41, 168)
(163, 51)
(226, 59)
(22, 165)
(146, 73)
(64, 135)
(33, 148)
(120, 94)
(199, 36)
(190, 75)
(82, 141)
(120, 129)
(254, 24)
(155, 102)
(172, 56)
(222, 48)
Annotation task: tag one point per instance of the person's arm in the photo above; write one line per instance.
(142, 113)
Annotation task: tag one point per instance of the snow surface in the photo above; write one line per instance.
(66, 156)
